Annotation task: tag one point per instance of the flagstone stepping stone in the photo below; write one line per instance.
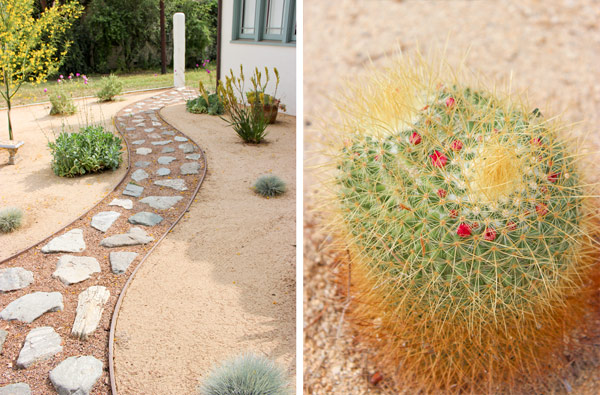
(187, 148)
(193, 156)
(142, 164)
(104, 220)
(90, 306)
(163, 171)
(161, 202)
(133, 190)
(139, 175)
(162, 142)
(14, 278)
(138, 142)
(169, 133)
(76, 375)
(168, 150)
(120, 261)
(190, 168)
(127, 204)
(154, 136)
(31, 306)
(128, 129)
(40, 344)
(72, 241)
(165, 160)
(143, 151)
(134, 236)
(145, 218)
(177, 184)
(149, 130)
(16, 389)
(181, 139)
(72, 269)
(156, 123)
(3, 335)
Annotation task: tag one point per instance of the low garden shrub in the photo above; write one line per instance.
(199, 105)
(110, 87)
(91, 150)
(62, 103)
(269, 186)
(10, 219)
(248, 374)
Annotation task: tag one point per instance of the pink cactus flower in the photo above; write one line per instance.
(415, 138)
(490, 234)
(464, 230)
(450, 102)
(456, 145)
(438, 159)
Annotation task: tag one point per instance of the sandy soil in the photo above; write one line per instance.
(551, 47)
(224, 280)
(50, 202)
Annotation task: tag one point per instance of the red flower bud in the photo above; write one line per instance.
(415, 138)
(453, 213)
(450, 102)
(536, 141)
(456, 145)
(475, 225)
(553, 177)
(541, 209)
(490, 234)
(438, 159)
(464, 230)
(511, 225)
(441, 193)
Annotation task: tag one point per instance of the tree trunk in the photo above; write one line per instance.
(10, 133)
(43, 5)
(163, 39)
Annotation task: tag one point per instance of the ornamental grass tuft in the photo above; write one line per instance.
(269, 186)
(10, 219)
(248, 374)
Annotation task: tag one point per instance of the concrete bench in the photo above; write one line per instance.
(12, 147)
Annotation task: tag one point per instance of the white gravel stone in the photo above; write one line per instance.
(31, 306)
(14, 278)
(120, 261)
(90, 306)
(177, 184)
(72, 241)
(127, 204)
(76, 375)
(104, 220)
(40, 344)
(72, 269)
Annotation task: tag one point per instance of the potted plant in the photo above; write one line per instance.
(257, 97)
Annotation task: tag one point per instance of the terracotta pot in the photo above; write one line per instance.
(271, 111)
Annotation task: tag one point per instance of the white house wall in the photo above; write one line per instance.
(258, 55)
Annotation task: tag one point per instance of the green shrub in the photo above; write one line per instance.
(200, 106)
(10, 219)
(62, 103)
(269, 186)
(248, 374)
(91, 150)
(110, 87)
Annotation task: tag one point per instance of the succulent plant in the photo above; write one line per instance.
(468, 229)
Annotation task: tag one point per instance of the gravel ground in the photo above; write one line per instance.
(551, 48)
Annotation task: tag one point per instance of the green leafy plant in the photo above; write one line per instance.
(205, 103)
(249, 122)
(110, 87)
(269, 186)
(248, 374)
(91, 150)
(10, 219)
(62, 103)
(469, 229)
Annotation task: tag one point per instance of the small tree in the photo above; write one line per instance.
(28, 46)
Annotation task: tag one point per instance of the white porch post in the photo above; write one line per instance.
(179, 50)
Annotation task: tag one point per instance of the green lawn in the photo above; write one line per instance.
(30, 93)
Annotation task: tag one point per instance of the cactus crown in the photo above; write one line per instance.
(461, 209)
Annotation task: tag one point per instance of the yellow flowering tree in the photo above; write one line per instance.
(28, 45)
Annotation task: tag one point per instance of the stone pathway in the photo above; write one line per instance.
(57, 299)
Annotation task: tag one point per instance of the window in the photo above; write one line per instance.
(269, 21)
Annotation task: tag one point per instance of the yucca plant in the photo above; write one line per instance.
(469, 230)
(248, 374)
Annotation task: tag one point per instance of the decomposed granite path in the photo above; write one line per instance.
(58, 297)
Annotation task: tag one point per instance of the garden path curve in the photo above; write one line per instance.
(57, 298)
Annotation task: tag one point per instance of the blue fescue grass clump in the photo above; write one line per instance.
(10, 219)
(248, 374)
(269, 186)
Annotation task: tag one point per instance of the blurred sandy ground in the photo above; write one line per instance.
(550, 47)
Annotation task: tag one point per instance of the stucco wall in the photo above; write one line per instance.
(259, 55)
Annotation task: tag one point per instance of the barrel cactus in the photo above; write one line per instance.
(468, 228)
